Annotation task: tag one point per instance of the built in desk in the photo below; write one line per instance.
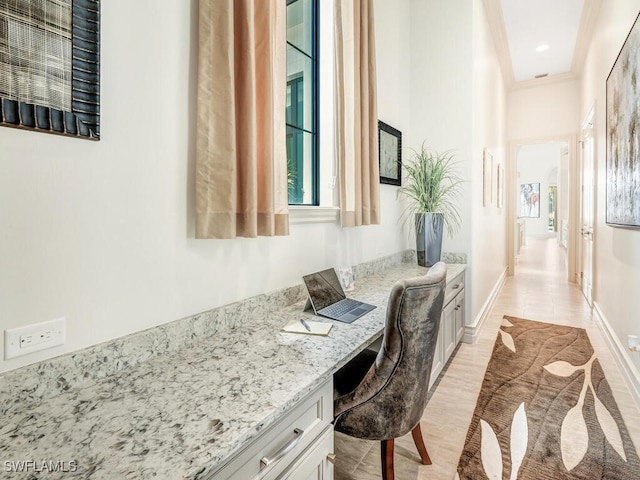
(247, 402)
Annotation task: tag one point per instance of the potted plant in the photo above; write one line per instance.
(432, 188)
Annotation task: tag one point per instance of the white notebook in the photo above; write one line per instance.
(317, 328)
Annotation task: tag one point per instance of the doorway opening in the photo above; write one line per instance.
(541, 195)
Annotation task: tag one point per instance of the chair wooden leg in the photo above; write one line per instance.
(422, 450)
(386, 451)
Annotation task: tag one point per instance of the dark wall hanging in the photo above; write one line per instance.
(623, 135)
(390, 154)
(50, 66)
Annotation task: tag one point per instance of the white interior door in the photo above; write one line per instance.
(587, 209)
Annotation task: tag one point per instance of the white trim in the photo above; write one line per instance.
(548, 80)
(627, 368)
(495, 19)
(471, 332)
(303, 214)
(585, 34)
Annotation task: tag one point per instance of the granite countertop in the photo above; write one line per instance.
(183, 413)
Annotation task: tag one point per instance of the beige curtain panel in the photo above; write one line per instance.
(241, 164)
(357, 113)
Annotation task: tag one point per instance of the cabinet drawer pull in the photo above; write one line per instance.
(290, 445)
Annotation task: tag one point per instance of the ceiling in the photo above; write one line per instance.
(521, 26)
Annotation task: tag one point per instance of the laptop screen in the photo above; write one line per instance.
(324, 288)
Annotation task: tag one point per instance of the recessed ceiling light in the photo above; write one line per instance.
(542, 47)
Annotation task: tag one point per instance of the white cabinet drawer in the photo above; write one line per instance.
(281, 444)
(314, 464)
(453, 288)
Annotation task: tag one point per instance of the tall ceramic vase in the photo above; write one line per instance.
(429, 227)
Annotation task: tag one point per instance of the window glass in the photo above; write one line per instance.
(302, 102)
(300, 25)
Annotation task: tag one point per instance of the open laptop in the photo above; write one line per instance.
(327, 297)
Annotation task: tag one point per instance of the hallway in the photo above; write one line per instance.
(538, 291)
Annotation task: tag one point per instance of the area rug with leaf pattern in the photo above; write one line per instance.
(546, 411)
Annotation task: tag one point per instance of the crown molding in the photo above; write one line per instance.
(540, 82)
(585, 34)
(495, 19)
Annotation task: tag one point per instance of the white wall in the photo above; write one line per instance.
(394, 102)
(441, 91)
(441, 97)
(550, 110)
(458, 102)
(103, 232)
(617, 251)
(489, 238)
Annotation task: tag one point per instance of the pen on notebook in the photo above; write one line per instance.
(305, 324)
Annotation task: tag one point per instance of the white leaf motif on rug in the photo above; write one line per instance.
(491, 455)
(490, 448)
(506, 323)
(519, 440)
(574, 437)
(609, 427)
(507, 339)
(561, 369)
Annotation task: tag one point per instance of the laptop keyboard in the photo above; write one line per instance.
(340, 308)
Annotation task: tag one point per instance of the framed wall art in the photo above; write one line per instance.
(50, 66)
(390, 154)
(623, 135)
(529, 200)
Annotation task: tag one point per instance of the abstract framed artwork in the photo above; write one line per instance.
(390, 154)
(529, 200)
(623, 135)
(50, 66)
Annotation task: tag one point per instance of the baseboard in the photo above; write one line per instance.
(472, 331)
(629, 370)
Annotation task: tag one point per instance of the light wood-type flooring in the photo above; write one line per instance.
(538, 291)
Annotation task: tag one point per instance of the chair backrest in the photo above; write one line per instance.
(390, 400)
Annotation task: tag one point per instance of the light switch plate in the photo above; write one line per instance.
(33, 338)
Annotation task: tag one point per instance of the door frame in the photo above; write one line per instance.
(573, 238)
(587, 124)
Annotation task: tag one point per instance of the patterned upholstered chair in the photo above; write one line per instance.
(383, 396)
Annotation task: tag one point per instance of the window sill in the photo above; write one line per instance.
(303, 214)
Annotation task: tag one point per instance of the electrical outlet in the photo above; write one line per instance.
(33, 338)
(632, 343)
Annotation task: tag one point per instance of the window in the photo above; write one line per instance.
(302, 102)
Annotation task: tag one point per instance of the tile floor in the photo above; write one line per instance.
(538, 291)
